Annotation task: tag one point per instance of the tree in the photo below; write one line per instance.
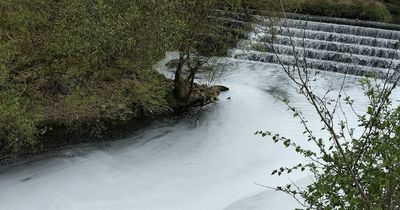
(200, 41)
(193, 14)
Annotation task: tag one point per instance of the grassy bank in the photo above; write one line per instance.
(394, 8)
(72, 62)
(76, 70)
(371, 10)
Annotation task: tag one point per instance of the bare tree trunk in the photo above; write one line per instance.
(180, 86)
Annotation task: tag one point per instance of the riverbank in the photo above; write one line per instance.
(99, 111)
(106, 111)
(76, 70)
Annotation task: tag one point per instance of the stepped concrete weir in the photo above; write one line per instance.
(328, 44)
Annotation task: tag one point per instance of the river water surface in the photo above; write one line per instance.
(209, 161)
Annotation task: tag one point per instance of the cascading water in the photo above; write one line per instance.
(331, 47)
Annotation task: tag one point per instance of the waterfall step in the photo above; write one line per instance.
(352, 49)
(341, 29)
(317, 64)
(264, 32)
(313, 25)
(323, 55)
(246, 13)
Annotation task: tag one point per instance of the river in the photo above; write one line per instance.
(209, 160)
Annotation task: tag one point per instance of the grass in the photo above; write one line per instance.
(17, 123)
(24, 122)
(65, 63)
(394, 8)
(371, 10)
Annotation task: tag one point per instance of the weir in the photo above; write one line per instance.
(327, 46)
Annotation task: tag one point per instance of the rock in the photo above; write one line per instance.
(221, 88)
(201, 95)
